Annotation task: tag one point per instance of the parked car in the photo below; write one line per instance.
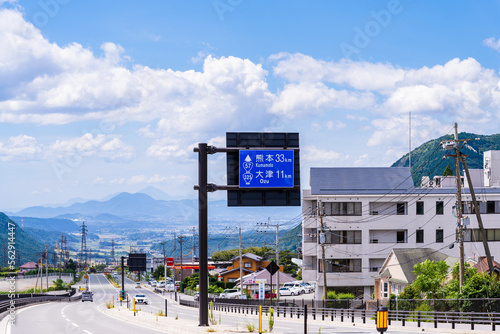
(142, 299)
(230, 294)
(296, 287)
(87, 295)
(160, 284)
(197, 296)
(308, 287)
(153, 284)
(267, 294)
(287, 291)
(170, 287)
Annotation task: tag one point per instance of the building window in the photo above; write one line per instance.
(401, 237)
(439, 235)
(399, 289)
(490, 207)
(439, 207)
(247, 264)
(474, 235)
(393, 287)
(342, 208)
(342, 265)
(400, 208)
(376, 264)
(345, 237)
(420, 208)
(232, 280)
(385, 290)
(420, 236)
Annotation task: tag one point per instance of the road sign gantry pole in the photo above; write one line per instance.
(204, 188)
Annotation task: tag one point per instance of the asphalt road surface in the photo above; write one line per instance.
(86, 317)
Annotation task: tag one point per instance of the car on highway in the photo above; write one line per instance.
(230, 294)
(153, 284)
(141, 299)
(196, 296)
(87, 296)
(170, 287)
(160, 284)
(138, 284)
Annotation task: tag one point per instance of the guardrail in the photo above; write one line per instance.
(50, 275)
(20, 302)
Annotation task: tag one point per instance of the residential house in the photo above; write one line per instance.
(397, 271)
(251, 263)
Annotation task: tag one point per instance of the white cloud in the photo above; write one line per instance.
(165, 149)
(321, 157)
(20, 148)
(492, 43)
(306, 98)
(107, 147)
(329, 125)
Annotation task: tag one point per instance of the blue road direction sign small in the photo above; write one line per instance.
(266, 169)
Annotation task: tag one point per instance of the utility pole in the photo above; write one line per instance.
(192, 253)
(47, 267)
(241, 265)
(83, 250)
(113, 251)
(459, 157)
(181, 239)
(322, 240)
(268, 224)
(164, 260)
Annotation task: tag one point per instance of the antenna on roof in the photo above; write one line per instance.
(409, 140)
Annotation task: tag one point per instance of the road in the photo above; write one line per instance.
(76, 317)
(88, 318)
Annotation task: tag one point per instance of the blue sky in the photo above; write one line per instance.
(102, 97)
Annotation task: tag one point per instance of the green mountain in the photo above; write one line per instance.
(26, 247)
(429, 158)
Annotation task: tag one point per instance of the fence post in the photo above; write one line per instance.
(342, 315)
(305, 319)
(435, 319)
(352, 318)
(364, 316)
(472, 320)
(452, 319)
(418, 319)
(493, 323)
(404, 318)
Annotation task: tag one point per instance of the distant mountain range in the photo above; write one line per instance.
(427, 159)
(139, 206)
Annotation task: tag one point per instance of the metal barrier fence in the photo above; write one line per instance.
(401, 318)
(50, 275)
(484, 305)
(5, 305)
(329, 303)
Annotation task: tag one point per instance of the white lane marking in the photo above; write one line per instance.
(75, 324)
(86, 331)
(67, 319)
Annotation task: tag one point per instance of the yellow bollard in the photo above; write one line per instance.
(382, 319)
(260, 319)
(113, 301)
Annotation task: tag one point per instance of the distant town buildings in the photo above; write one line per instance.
(361, 214)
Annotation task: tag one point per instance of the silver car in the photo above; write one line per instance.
(87, 295)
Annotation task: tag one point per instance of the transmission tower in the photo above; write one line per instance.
(83, 249)
(113, 251)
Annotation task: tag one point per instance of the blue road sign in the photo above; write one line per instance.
(266, 168)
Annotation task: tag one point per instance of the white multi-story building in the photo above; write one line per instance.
(366, 212)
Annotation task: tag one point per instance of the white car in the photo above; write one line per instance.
(142, 299)
(308, 287)
(230, 294)
(170, 287)
(160, 284)
(153, 284)
(286, 291)
(296, 288)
